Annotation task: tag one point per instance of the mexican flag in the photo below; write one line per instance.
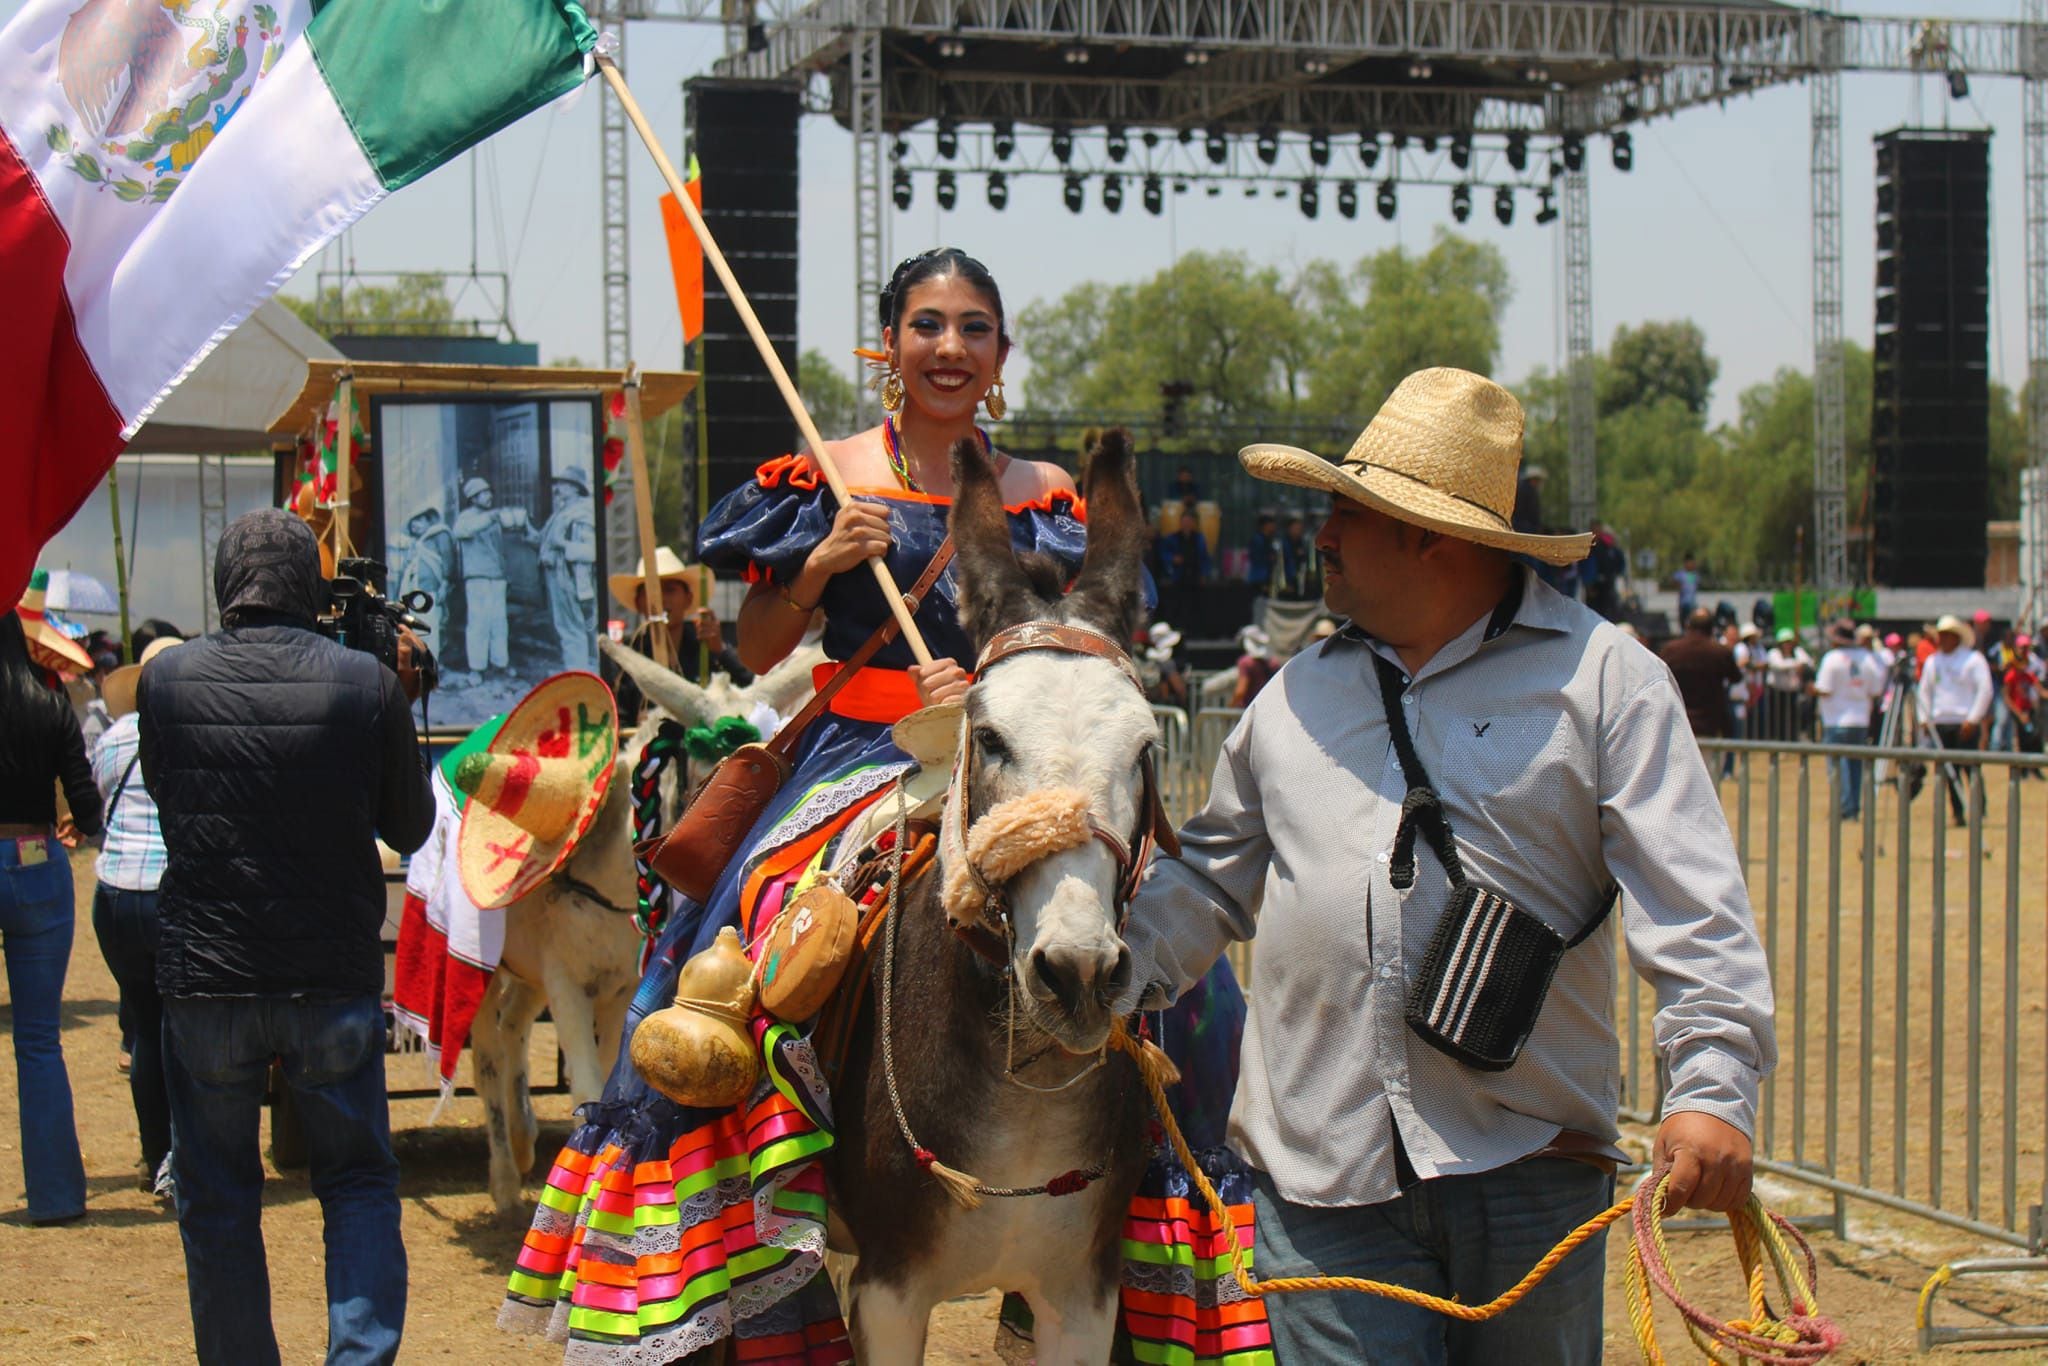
(165, 165)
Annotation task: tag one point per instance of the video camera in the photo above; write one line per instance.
(361, 617)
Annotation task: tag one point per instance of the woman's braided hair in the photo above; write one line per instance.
(936, 264)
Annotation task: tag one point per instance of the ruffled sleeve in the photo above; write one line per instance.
(766, 528)
(1057, 525)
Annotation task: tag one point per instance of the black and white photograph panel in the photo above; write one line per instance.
(489, 509)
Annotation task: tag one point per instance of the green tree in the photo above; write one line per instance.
(1396, 312)
(829, 394)
(419, 302)
(1658, 360)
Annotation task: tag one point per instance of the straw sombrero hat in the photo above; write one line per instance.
(48, 646)
(535, 787)
(1441, 454)
(667, 565)
(119, 690)
(1956, 626)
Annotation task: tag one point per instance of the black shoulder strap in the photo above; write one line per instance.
(121, 787)
(1422, 806)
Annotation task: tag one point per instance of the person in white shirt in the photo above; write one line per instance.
(1788, 669)
(1740, 640)
(1955, 698)
(1849, 683)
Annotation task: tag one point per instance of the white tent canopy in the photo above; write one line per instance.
(228, 402)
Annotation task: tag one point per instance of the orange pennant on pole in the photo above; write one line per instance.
(685, 256)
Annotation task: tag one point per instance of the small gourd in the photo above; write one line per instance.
(700, 1052)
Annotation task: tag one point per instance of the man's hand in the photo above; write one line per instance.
(408, 672)
(67, 833)
(1710, 1162)
(1968, 733)
(709, 634)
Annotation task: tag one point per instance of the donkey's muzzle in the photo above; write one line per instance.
(1081, 979)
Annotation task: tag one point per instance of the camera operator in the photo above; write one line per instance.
(275, 756)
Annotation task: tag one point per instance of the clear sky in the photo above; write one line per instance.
(1713, 224)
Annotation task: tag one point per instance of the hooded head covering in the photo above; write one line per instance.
(268, 561)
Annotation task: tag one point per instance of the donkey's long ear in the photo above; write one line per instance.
(995, 592)
(1109, 594)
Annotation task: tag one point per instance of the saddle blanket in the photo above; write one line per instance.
(447, 946)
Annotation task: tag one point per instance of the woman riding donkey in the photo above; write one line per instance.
(665, 1228)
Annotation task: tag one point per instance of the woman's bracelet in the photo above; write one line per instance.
(789, 601)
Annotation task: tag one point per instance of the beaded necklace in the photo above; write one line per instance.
(899, 463)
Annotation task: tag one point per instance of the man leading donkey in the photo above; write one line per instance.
(1419, 1108)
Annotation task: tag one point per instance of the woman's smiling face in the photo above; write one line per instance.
(948, 347)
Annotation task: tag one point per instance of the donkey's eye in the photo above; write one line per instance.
(991, 744)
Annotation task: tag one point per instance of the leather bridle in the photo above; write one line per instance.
(1132, 853)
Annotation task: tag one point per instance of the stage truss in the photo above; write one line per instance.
(1563, 79)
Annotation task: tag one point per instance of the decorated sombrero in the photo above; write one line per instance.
(48, 646)
(535, 787)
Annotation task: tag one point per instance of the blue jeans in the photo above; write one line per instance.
(217, 1052)
(125, 923)
(1469, 1236)
(36, 916)
(1848, 772)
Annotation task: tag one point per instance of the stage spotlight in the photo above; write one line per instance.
(1251, 189)
(1958, 85)
(1076, 55)
(952, 49)
(947, 140)
(757, 38)
(1268, 145)
(1574, 152)
(1546, 205)
(1368, 148)
(1195, 56)
(1117, 144)
(1180, 187)
(1063, 145)
(1315, 66)
(1215, 191)
(1624, 152)
(1420, 71)
(898, 150)
(1319, 146)
(998, 190)
(899, 188)
(1154, 196)
(1073, 195)
(1005, 139)
(1113, 193)
(1461, 202)
(1311, 199)
(1217, 146)
(1347, 198)
(1504, 206)
(1518, 151)
(1151, 139)
(1461, 152)
(1383, 200)
(948, 190)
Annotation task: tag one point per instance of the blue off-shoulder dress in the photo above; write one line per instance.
(663, 1229)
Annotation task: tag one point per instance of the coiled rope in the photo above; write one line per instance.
(1762, 1239)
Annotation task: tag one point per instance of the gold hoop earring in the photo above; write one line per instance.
(994, 401)
(892, 393)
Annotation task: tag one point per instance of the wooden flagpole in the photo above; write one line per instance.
(664, 633)
(776, 370)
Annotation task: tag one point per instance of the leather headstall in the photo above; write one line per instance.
(1154, 829)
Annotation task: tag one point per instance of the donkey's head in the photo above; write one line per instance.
(1054, 723)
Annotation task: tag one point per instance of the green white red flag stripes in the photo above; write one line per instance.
(165, 166)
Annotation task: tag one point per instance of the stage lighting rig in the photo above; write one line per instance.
(1073, 195)
(1546, 205)
(1574, 152)
(1005, 139)
(1117, 143)
(1319, 146)
(1624, 151)
(952, 49)
(1461, 152)
(998, 190)
(1958, 84)
(1311, 199)
(1075, 55)
(1420, 71)
(1368, 148)
(1518, 151)
(1216, 146)
(1195, 56)
(1113, 193)
(899, 188)
(1154, 195)
(1461, 202)
(1315, 66)
(948, 190)
(1347, 198)
(947, 139)
(1504, 206)
(1268, 145)
(1383, 200)
(1063, 145)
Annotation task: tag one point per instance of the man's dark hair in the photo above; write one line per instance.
(1700, 619)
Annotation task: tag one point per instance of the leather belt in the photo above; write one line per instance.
(1574, 1146)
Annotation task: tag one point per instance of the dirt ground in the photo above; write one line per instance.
(111, 1289)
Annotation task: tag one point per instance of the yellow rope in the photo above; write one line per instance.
(1754, 1228)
